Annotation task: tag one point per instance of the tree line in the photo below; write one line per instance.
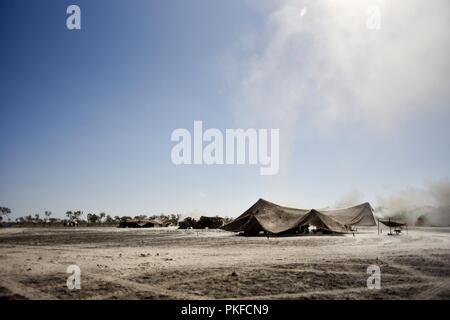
(81, 219)
(90, 219)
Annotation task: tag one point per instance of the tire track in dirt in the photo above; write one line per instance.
(434, 290)
(328, 292)
(159, 290)
(411, 271)
(25, 291)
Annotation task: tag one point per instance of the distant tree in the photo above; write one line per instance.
(4, 211)
(174, 218)
(20, 220)
(167, 219)
(102, 216)
(125, 218)
(37, 218)
(92, 218)
(78, 215)
(117, 219)
(47, 215)
(109, 219)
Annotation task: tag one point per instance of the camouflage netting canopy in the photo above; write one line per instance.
(392, 224)
(274, 219)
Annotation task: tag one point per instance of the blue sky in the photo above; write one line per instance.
(87, 115)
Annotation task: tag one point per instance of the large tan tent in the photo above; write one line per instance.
(270, 218)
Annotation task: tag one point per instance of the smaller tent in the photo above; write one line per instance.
(209, 222)
(141, 224)
(187, 223)
(153, 224)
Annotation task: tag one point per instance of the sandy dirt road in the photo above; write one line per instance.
(185, 264)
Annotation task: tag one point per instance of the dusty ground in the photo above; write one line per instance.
(175, 264)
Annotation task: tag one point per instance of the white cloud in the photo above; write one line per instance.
(327, 67)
